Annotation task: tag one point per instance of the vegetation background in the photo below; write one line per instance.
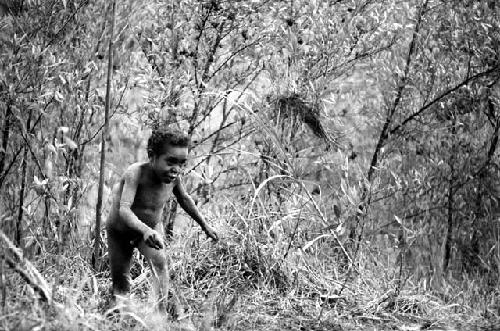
(344, 150)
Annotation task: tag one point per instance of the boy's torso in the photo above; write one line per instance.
(150, 198)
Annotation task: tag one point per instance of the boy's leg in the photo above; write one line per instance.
(161, 278)
(120, 253)
(158, 263)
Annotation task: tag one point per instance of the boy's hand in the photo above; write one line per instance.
(211, 233)
(153, 239)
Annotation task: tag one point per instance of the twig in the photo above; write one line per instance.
(97, 242)
(14, 258)
(72, 16)
(441, 96)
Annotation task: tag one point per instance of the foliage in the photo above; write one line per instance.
(443, 133)
(346, 152)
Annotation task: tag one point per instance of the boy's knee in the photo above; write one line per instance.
(159, 262)
(156, 257)
(121, 283)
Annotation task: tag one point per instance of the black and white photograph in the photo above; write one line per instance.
(241, 165)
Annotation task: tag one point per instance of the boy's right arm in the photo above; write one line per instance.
(130, 183)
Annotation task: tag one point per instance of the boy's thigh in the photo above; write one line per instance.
(156, 256)
(150, 253)
(120, 250)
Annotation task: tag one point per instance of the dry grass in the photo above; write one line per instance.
(247, 281)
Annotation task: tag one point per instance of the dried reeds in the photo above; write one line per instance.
(295, 107)
(14, 258)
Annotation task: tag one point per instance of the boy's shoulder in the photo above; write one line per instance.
(135, 170)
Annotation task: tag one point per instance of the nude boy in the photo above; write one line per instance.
(138, 200)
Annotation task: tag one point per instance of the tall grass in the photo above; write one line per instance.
(258, 276)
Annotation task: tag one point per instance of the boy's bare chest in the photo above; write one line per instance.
(151, 196)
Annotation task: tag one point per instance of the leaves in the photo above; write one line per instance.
(207, 66)
(70, 143)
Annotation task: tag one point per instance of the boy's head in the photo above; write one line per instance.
(161, 138)
(168, 152)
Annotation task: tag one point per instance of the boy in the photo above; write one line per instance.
(136, 212)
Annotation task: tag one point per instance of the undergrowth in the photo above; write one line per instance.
(245, 282)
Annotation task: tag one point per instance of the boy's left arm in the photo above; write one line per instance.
(187, 203)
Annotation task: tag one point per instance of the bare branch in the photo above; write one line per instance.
(14, 258)
(441, 97)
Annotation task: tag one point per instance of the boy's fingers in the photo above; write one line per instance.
(159, 244)
(214, 236)
(154, 241)
(151, 242)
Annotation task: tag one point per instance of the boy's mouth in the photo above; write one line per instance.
(170, 176)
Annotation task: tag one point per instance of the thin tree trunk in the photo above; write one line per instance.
(449, 230)
(5, 136)
(200, 85)
(19, 223)
(105, 132)
(384, 134)
(170, 219)
(14, 155)
(451, 199)
(3, 287)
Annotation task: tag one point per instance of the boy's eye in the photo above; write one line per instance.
(174, 161)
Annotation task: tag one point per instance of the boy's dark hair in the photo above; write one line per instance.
(161, 137)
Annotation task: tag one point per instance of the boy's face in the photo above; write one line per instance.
(169, 165)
